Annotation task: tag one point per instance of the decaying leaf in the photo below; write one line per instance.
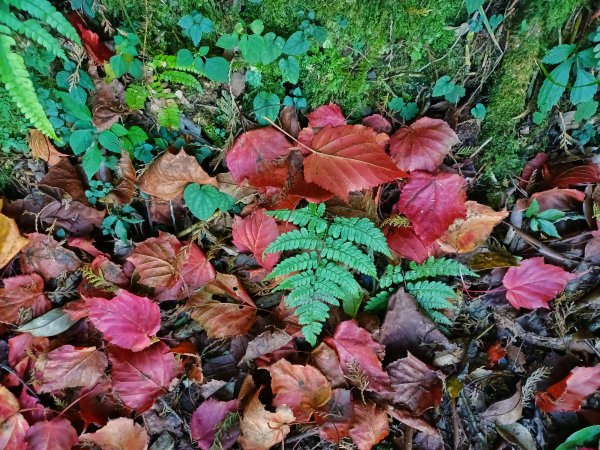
(13, 426)
(11, 241)
(369, 425)
(41, 147)
(123, 192)
(265, 343)
(57, 433)
(507, 411)
(22, 295)
(45, 256)
(118, 434)
(205, 423)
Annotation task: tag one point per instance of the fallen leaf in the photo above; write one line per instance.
(369, 425)
(45, 256)
(13, 425)
(22, 349)
(31, 408)
(41, 147)
(493, 259)
(561, 199)
(324, 115)
(140, 377)
(99, 52)
(258, 157)
(405, 242)
(579, 174)
(22, 294)
(289, 120)
(422, 145)
(465, 235)
(169, 174)
(379, 123)
(417, 423)
(335, 418)
(64, 176)
(127, 321)
(205, 423)
(107, 101)
(348, 158)
(261, 429)
(517, 434)
(70, 367)
(415, 385)
(569, 393)
(124, 189)
(220, 320)
(11, 241)
(118, 434)
(325, 359)
(98, 404)
(507, 411)
(155, 260)
(433, 202)
(253, 234)
(532, 167)
(303, 388)
(359, 356)
(265, 343)
(533, 284)
(56, 434)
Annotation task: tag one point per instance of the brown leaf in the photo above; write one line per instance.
(335, 418)
(45, 256)
(64, 176)
(107, 101)
(11, 241)
(265, 343)
(289, 120)
(118, 434)
(261, 429)
(415, 385)
(303, 388)
(41, 147)
(122, 194)
(369, 426)
(505, 411)
(493, 259)
(169, 174)
(415, 422)
(326, 360)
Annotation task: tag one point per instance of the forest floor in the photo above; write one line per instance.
(299, 224)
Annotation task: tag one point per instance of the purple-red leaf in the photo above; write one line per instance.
(253, 234)
(205, 421)
(56, 434)
(20, 294)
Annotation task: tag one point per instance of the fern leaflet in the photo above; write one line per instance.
(441, 267)
(34, 31)
(302, 239)
(310, 217)
(360, 231)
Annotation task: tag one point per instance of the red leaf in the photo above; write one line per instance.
(121, 433)
(405, 242)
(127, 321)
(562, 199)
(23, 292)
(335, 418)
(303, 388)
(57, 434)
(140, 377)
(369, 425)
(45, 256)
(415, 385)
(324, 115)
(91, 41)
(533, 284)
(423, 145)
(20, 347)
(205, 421)
(530, 168)
(579, 174)
(33, 411)
(569, 394)
(253, 234)
(349, 158)
(256, 156)
(433, 202)
(13, 425)
(70, 367)
(379, 123)
(496, 352)
(359, 354)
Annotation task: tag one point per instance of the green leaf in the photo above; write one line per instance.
(266, 104)
(290, 69)
(586, 110)
(533, 208)
(548, 228)
(559, 53)
(473, 5)
(91, 161)
(54, 322)
(396, 104)
(204, 200)
(227, 41)
(586, 436)
(272, 48)
(479, 112)
(118, 65)
(551, 214)
(110, 141)
(585, 87)
(554, 86)
(297, 44)
(185, 57)
(252, 48)
(257, 26)
(217, 69)
(81, 140)
(77, 110)
(445, 87)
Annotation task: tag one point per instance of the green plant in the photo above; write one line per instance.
(543, 221)
(97, 190)
(479, 111)
(408, 111)
(119, 221)
(195, 25)
(588, 435)
(295, 99)
(13, 72)
(330, 253)
(431, 295)
(204, 200)
(266, 106)
(126, 60)
(445, 87)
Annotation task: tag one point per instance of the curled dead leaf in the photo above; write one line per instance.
(41, 147)
(11, 241)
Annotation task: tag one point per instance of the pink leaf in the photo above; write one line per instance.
(13, 425)
(253, 234)
(22, 293)
(140, 377)
(379, 123)
(569, 393)
(57, 434)
(533, 284)
(423, 145)
(330, 114)
(205, 421)
(127, 320)
(433, 202)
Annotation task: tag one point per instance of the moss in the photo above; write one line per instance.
(508, 151)
(13, 126)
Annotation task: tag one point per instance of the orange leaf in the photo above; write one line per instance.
(121, 433)
(349, 158)
(569, 394)
(370, 425)
(170, 173)
(465, 235)
(11, 241)
(41, 147)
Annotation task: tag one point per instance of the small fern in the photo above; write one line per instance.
(182, 78)
(322, 275)
(441, 267)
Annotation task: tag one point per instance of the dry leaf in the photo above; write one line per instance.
(11, 241)
(118, 434)
(41, 147)
(122, 194)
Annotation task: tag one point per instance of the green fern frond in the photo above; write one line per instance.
(332, 272)
(136, 96)
(310, 217)
(46, 13)
(170, 62)
(302, 239)
(185, 79)
(379, 302)
(392, 275)
(432, 294)
(168, 116)
(304, 278)
(360, 231)
(296, 263)
(436, 268)
(439, 317)
(34, 31)
(13, 74)
(330, 289)
(311, 308)
(312, 330)
(348, 254)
